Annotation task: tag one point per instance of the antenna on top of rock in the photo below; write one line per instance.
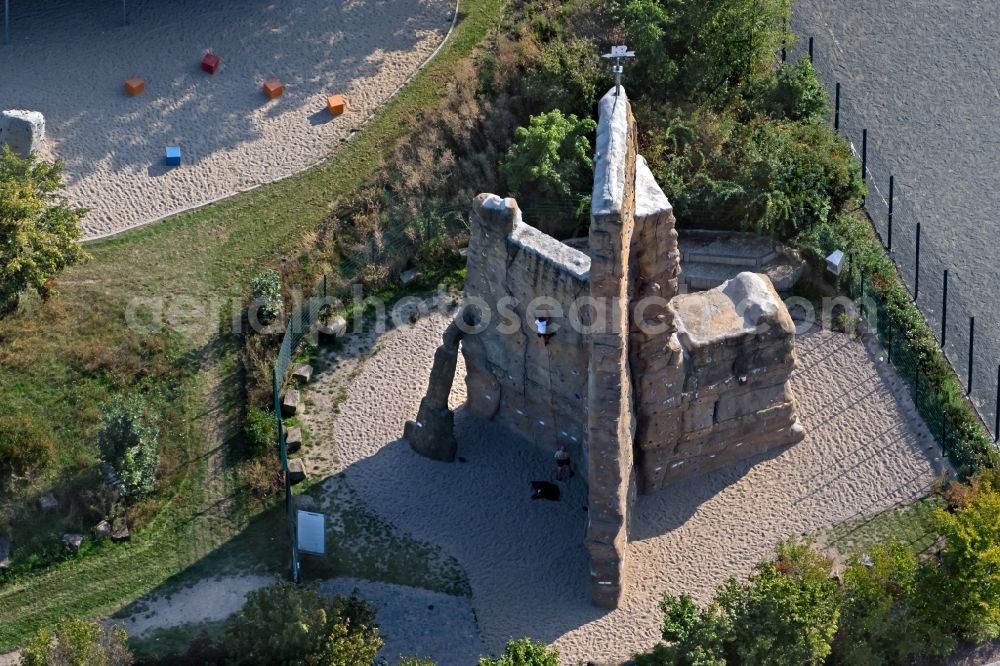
(618, 52)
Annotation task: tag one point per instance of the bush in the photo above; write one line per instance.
(127, 441)
(266, 294)
(971, 561)
(261, 432)
(884, 619)
(260, 477)
(75, 643)
(551, 157)
(39, 234)
(24, 447)
(289, 624)
(524, 652)
(791, 92)
(696, 637)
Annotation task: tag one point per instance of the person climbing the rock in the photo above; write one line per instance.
(563, 463)
(542, 326)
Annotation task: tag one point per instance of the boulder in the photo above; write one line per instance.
(296, 471)
(4, 553)
(48, 503)
(121, 532)
(329, 331)
(72, 541)
(23, 131)
(304, 502)
(102, 530)
(291, 404)
(293, 439)
(302, 373)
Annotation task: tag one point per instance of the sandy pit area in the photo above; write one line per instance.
(69, 60)
(865, 450)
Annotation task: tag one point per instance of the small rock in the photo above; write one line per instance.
(4, 553)
(304, 502)
(296, 470)
(463, 252)
(409, 276)
(293, 439)
(73, 541)
(302, 373)
(121, 533)
(48, 503)
(291, 404)
(103, 529)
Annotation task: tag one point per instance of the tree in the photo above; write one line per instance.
(127, 441)
(786, 613)
(551, 158)
(39, 234)
(971, 561)
(289, 624)
(695, 637)
(524, 652)
(699, 50)
(77, 643)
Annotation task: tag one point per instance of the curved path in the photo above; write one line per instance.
(865, 450)
(69, 60)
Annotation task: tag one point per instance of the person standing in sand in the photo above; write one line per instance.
(563, 463)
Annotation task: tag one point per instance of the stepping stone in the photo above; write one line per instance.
(103, 529)
(335, 105)
(302, 373)
(73, 541)
(296, 471)
(4, 553)
(291, 404)
(293, 439)
(173, 156)
(409, 276)
(273, 88)
(134, 85)
(48, 503)
(210, 63)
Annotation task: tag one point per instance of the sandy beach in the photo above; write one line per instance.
(865, 450)
(69, 61)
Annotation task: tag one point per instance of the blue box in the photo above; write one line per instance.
(173, 156)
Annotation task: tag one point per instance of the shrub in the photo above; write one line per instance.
(289, 624)
(696, 637)
(791, 92)
(786, 613)
(127, 441)
(551, 156)
(884, 619)
(971, 561)
(261, 432)
(260, 477)
(75, 642)
(266, 294)
(524, 652)
(24, 447)
(39, 234)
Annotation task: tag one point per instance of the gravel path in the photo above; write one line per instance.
(69, 60)
(865, 450)
(924, 77)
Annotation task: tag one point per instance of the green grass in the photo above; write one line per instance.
(60, 360)
(911, 524)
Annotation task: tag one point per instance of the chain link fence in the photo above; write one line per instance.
(966, 325)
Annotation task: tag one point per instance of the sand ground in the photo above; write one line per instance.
(865, 450)
(69, 60)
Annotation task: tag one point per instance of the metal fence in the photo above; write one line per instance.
(938, 284)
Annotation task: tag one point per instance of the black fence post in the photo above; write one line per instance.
(944, 311)
(784, 39)
(864, 163)
(892, 189)
(972, 347)
(810, 50)
(916, 278)
(996, 424)
(836, 108)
